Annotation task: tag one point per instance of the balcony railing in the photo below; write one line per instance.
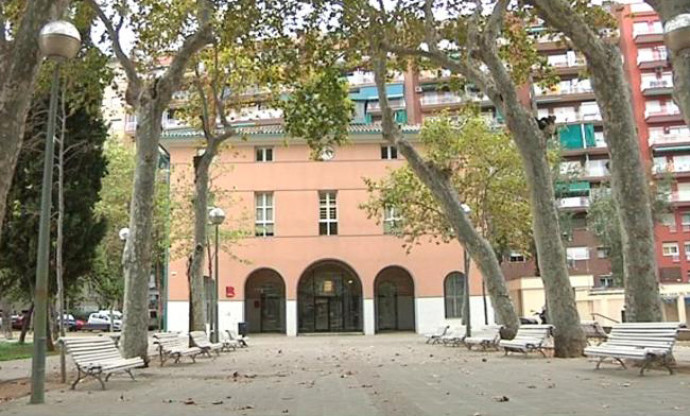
(440, 99)
(670, 139)
(574, 202)
(658, 83)
(641, 7)
(566, 90)
(679, 197)
(661, 113)
(661, 56)
(596, 171)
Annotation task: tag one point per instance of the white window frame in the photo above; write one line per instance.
(577, 253)
(391, 220)
(264, 204)
(328, 200)
(261, 154)
(389, 152)
(602, 252)
(670, 250)
(516, 257)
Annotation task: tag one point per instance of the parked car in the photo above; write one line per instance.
(70, 322)
(100, 321)
(18, 321)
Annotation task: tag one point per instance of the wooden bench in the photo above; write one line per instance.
(649, 342)
(529, 338)
(485, 337)
(170, 345)
(98, 357)
(200, 340)
(593, 332)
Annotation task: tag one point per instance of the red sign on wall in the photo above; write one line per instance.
(229, 291)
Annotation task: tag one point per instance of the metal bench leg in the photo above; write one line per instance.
(667, 363)
(99, 377)
(193, 357)
(622, 363)
(645, 365)
(129, 371)
(177, 357)
(107, 376)
(601, 360)
(79, 377)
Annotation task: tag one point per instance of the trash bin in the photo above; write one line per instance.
(242, 329)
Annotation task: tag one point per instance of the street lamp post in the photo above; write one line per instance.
(58, 40)
(124, 235)
(466, 259)
(216, 216)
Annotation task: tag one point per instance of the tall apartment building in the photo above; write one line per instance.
(316, 263)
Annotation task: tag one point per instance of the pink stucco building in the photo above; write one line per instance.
(314, 261)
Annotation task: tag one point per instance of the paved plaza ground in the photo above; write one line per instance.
(394, 374)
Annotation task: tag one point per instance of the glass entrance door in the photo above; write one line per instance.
(329, 298)
(321, 314)
(388, 312)
(271, 307)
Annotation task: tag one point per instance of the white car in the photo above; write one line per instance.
(101, 321)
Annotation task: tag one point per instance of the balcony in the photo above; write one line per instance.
(440, 99)
(679, 198)
(575, 203)
(663, 116)
(657, 87)
(669, 141)
(642, 8)
(567, 64)
(567, 94)
(375, 106)
(650, 34)
(652, 59)
(579, 139)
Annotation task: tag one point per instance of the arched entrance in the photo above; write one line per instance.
(329, 298)
(264, 302)
(394, 297)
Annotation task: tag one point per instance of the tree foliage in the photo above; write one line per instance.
(105, 279)
(84, 169)
(485, 170)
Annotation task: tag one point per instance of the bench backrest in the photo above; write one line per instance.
(458, 331)
(490, 332)
(593, 329)
(199, 338)
(541, 332)
(167, 340)
(441, 331)
(91, 349)
(659, 335)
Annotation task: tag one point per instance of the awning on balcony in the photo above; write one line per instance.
(572, 136)
(370, 93)
(672, 148)
(573, 188)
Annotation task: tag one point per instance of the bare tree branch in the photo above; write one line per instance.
(576, 28)
(114, 35)
(493, 25)
(203, 36)
(205, 122)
